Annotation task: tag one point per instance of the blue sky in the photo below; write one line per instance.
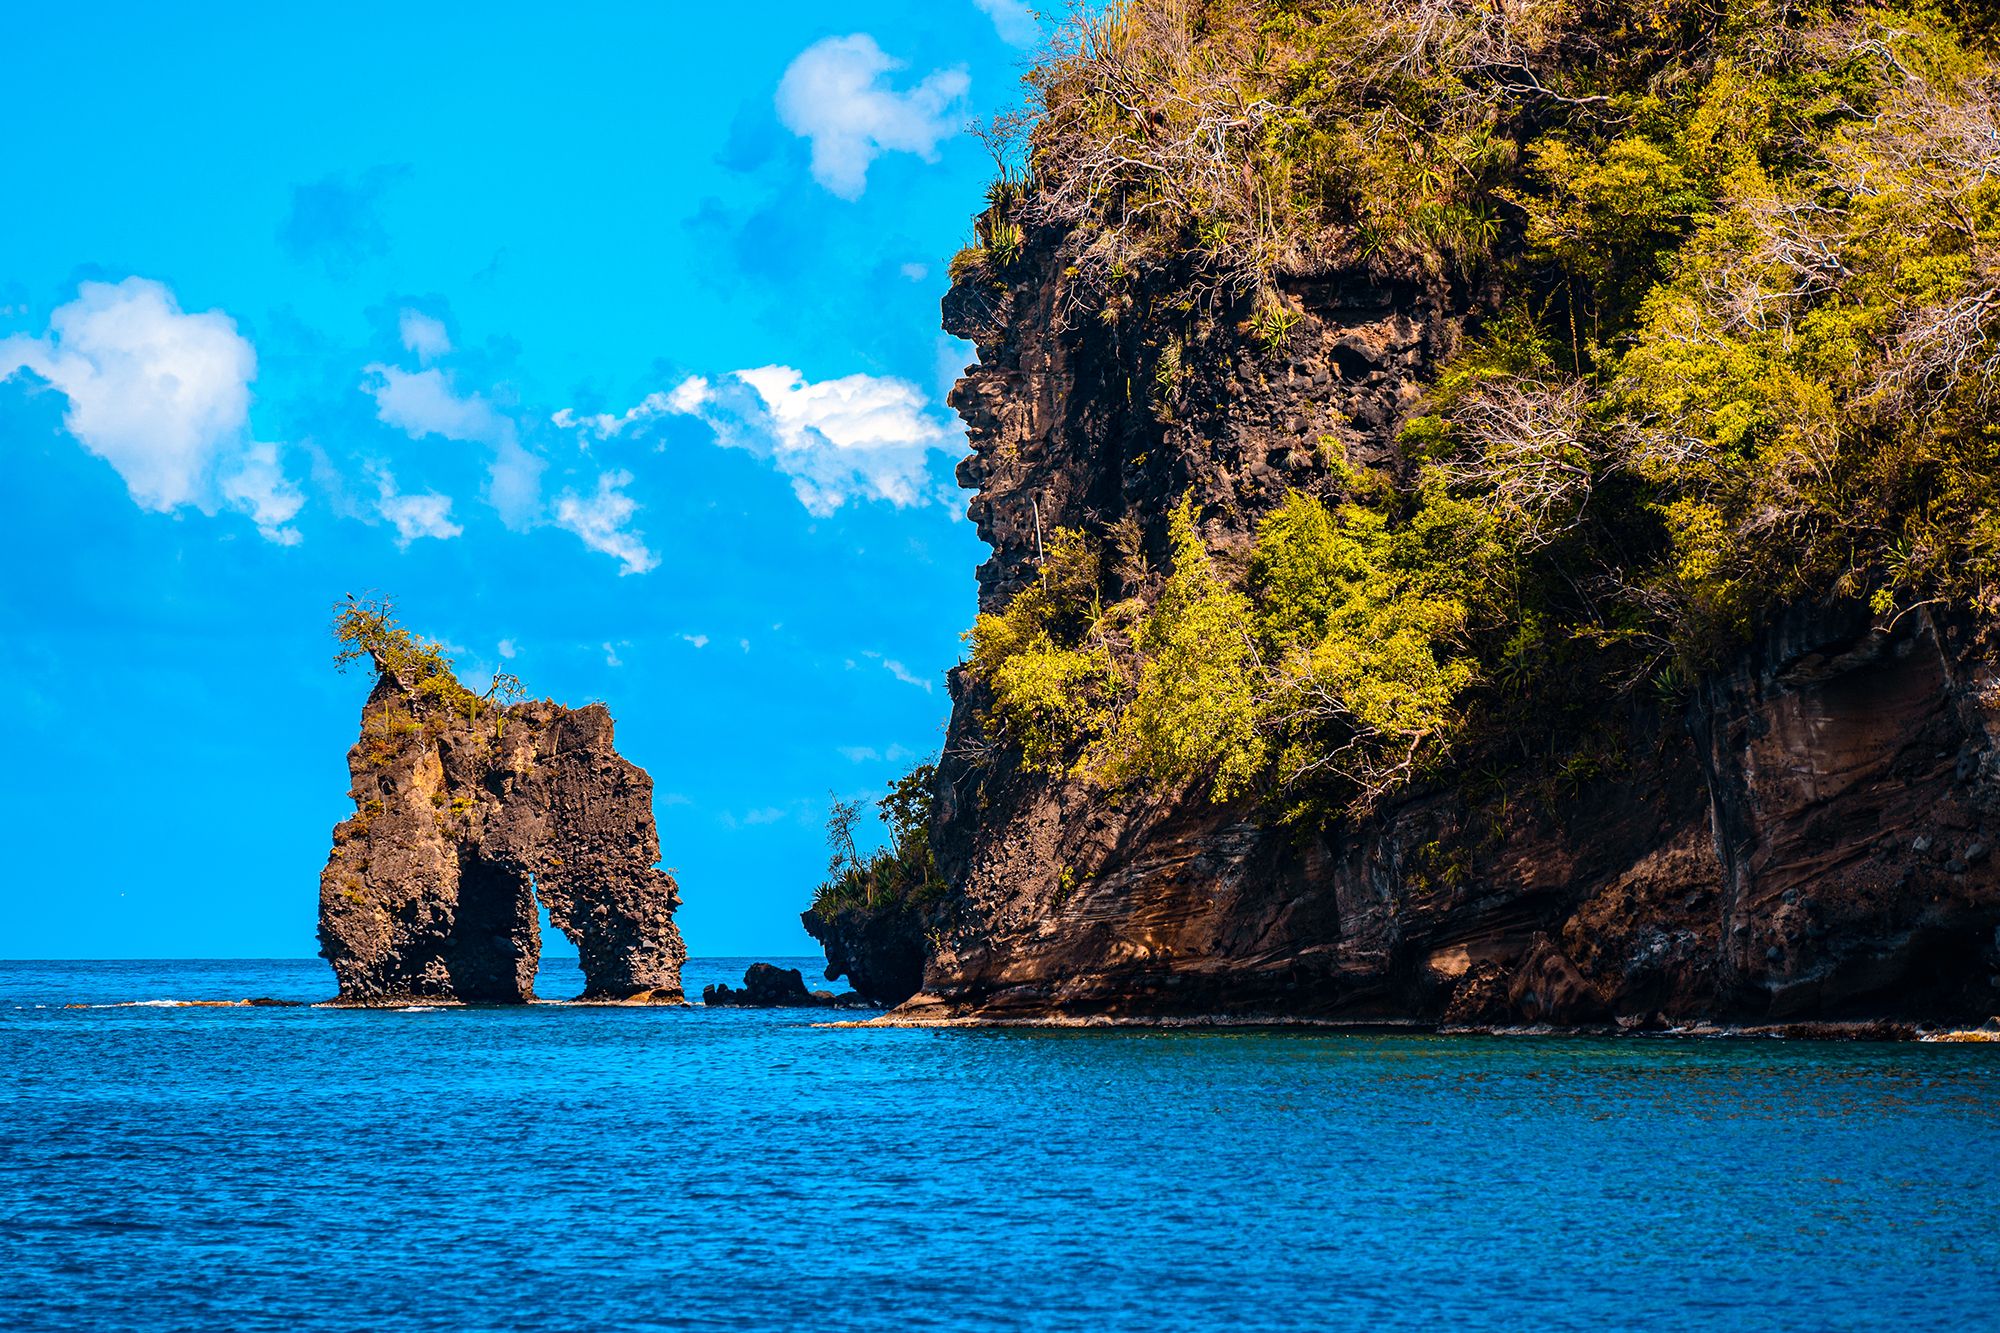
(605, 343)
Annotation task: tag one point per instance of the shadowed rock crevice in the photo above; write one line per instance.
(467, 811)
(491, 957)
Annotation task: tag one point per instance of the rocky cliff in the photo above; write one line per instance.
(465, 818)
(1804, 835)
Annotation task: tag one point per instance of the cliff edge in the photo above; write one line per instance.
(1375, 631)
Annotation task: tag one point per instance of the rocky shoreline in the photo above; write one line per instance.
(1873, 1030)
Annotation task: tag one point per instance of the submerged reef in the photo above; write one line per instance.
(469, 811)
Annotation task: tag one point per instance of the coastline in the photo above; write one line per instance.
(1887, 1030)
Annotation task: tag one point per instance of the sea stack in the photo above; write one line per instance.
(470, 808)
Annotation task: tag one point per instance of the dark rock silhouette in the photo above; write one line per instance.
(880, 950)
(767, 986)
(462, 823)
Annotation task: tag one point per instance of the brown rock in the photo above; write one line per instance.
(461, 825)
(1806, 840)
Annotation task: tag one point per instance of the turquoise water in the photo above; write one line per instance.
(597, 1168)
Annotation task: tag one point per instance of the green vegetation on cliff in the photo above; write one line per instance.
(902, 873)
(368, 629)
(1726, 286)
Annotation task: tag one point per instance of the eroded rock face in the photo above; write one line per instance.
(430, 891)
(1808, 838)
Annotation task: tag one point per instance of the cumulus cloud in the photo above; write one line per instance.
(698, 640)
(414, 516)
(611, 657)
(1013, 20)
(255, 483)
(859, 437)
(836, 95)
(602, 520)
(508, 649)
(164, 397)
(425, 336)
(682, 400)
(425, 402)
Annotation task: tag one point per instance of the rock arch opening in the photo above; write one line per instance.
(493, 948)
(559, 976)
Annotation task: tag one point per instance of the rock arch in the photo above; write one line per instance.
(463, 816)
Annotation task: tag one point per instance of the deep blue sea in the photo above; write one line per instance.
(568, 1167)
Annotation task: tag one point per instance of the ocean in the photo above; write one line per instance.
(571, 1167)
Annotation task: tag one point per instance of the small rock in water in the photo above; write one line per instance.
(766, 986)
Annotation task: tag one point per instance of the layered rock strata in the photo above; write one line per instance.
(463, 825)
(1808, 838)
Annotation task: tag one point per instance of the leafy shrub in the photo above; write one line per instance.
(901, 873)
(369, 629)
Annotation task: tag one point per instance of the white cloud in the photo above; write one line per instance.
(415, 516)
(423, 402)
(424, 335)
(611, 658)
(860, 437)
(698, 640)
(1013, 20)
(688, 395)
(744, 644)
(508, 648)
(164, 397)
(916, 272)
(684, 399)
(858, 754)
(514, 484)
(601, 521)
(857, 437)
(770, 814)
(904, 674)
(256, 484)
(834, 95)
